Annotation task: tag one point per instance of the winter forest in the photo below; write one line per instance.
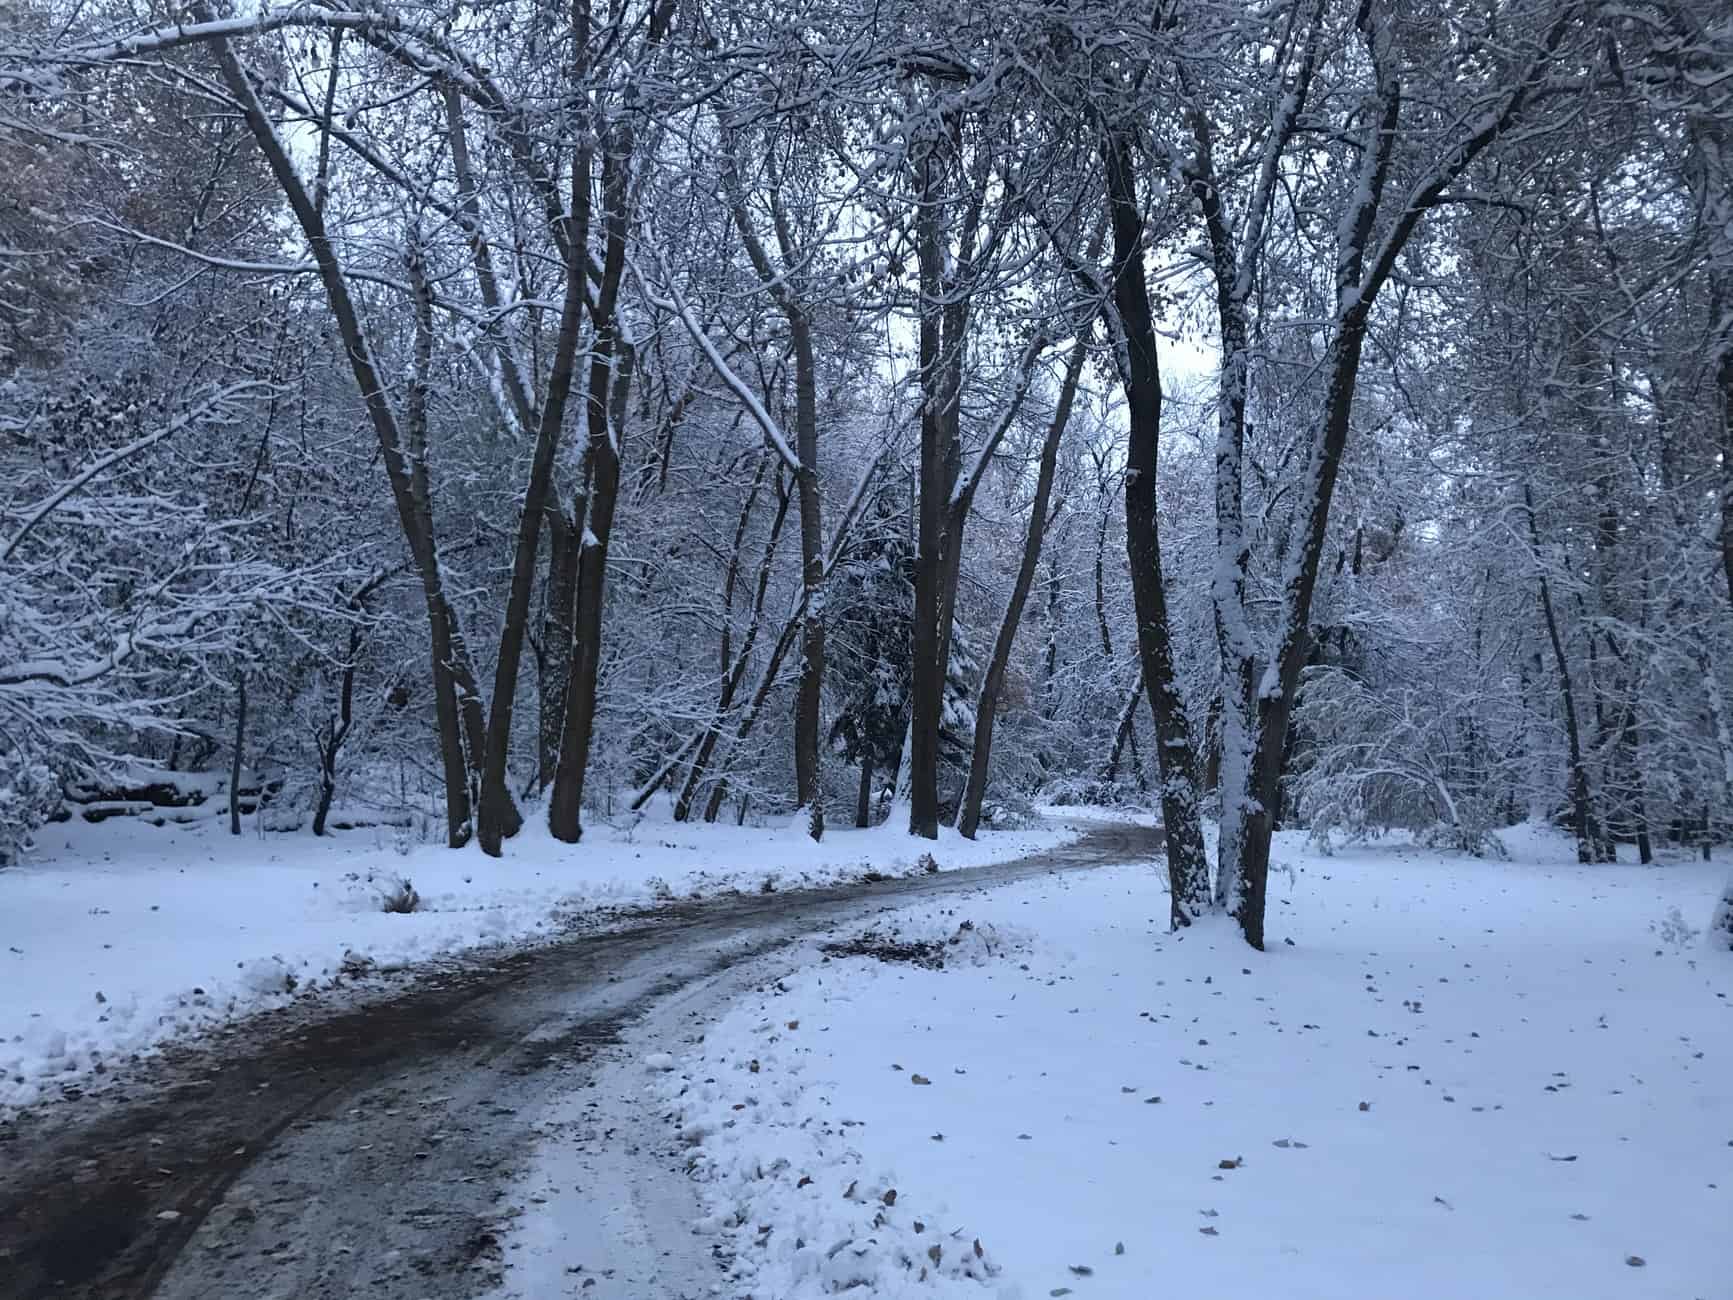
(1303, 414)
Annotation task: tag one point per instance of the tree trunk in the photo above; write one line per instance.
(565, 802)
(735, 672)
(863, 808)
(457, 712)
(1053, 613)
(808, 771)
(239, 750)
(1101, 582)
(783, 288)
(496, 815)
(557, 632)
(1187, 868)
(1583, 823)
(327, 792)
(1724, 375)
(786, 637)
(1124, 733)
(1721, 923)
(928, 683)
(332, 742)
(1212, 763)
(784, 643)
(986, 712)
(1255, 738)
(458, 704)
(1630, 745)
(1366, 256)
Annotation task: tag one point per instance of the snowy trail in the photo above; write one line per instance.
(371, 1151)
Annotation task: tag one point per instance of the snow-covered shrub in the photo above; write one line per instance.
(1091, 792)
(29, 796)
(1009, 811)
(1473, 838)
(1379, 757)
(1721, 924)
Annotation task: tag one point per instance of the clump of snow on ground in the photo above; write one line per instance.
(119, 935)
(1460, 1078)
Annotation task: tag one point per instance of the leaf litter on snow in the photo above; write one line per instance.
(1047, 1048)
(763, 1167)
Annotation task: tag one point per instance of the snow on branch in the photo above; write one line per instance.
(215, 408)
(674, 301)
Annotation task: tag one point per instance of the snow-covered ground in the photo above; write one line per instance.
(1460, 1078)
(119, 935)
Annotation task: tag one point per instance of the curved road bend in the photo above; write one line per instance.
(370, 1148)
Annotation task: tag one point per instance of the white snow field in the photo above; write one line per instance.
(117, 936)
(1461, 1079)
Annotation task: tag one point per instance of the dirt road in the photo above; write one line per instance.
(365, 1151)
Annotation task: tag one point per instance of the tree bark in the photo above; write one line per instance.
(496, 814)
(1187, 867)
(1724, 377)
(927, 679)
(565, 802)
(557, 633)
(808, 769)
(986, 712)
(863, 808)
(457, 698)
(1125, 733)
(1583, 823)
(1101, 579)
(1050, 652)
(331, 744)
(235, 757)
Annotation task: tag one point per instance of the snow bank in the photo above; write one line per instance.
(117, 936)
(1461, 1078)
